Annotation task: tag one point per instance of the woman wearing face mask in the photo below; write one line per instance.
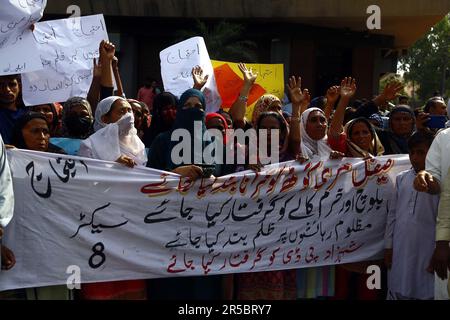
(163, 116)
(115, 138)
(77, 124)
(190, 109)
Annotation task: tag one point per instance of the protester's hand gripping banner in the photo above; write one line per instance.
(117, 223)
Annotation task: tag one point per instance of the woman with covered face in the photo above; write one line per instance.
(115, 138)
(190, 109)
(162, 116)
(77, 124)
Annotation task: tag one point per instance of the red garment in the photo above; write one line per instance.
(115, 290)
(339, 143)
(212, 115)
(146, 95)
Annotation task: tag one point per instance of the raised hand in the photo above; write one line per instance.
(107, 50)
(248, 74)
(306, 98)
(296, 94)
(333, 94)
(348, 87)
(392, 90)
(199, 79)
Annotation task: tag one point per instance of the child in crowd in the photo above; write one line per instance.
(410, 229)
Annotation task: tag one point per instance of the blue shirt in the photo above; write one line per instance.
(7, 120)
(70, 146)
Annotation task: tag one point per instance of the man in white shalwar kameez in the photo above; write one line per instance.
(437, 167)
(6, 206)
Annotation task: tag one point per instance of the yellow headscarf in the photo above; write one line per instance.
(262, 105)
(376, 147)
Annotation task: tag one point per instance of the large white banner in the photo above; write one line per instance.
(17, 46)
(117, 223)
(177, 62)
(66, 49)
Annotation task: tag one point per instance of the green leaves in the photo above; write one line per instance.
(427, 63)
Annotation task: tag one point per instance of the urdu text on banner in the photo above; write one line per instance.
(117, 223)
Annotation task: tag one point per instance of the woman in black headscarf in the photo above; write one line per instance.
(77, 123)
(163, 116)
(190, 110)
(401, 127)
(51, 115)
(31, 132)
(190, 113)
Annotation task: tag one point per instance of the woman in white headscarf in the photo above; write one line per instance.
(115, 138)
(314, 139)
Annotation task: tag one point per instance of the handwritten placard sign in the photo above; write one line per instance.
(177, 62)
(117, 223)
(17, 46)
(67, 48)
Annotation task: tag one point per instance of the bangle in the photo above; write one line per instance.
(243, 98)
(295, 118)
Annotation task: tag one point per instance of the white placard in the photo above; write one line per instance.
(177, 62)
(67, 48)
(17, 46)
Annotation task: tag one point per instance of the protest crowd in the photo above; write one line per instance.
(135, 129)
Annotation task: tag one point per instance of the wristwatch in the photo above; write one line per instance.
(243, 98)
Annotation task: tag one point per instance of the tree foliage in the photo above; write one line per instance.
(427, 63)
